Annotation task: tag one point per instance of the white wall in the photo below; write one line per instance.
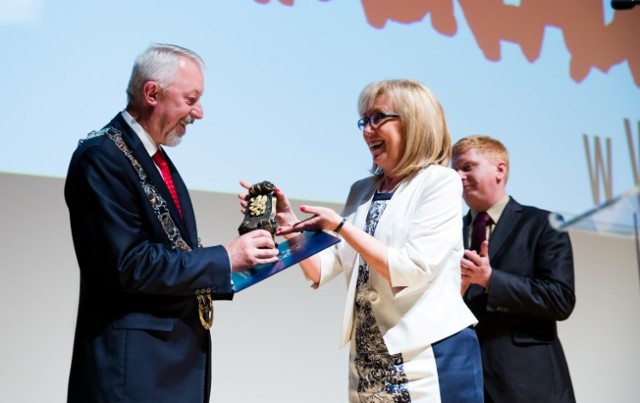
(277, 340)
(601, 336)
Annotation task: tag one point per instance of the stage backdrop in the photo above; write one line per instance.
(282, 81)
(283, 78)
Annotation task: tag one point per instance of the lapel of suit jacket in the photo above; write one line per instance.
(140, 153)
(505, 226)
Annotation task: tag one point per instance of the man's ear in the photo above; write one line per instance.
(151, 91)
(501, 171)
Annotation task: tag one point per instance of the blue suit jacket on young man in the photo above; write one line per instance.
(532, 287)
(138, 335)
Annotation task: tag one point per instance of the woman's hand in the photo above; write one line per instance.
(284, 212)
(322, 218)
(244, 197)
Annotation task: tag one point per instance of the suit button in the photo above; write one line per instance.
(373, 296)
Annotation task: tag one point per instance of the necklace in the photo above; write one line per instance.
(380, 189)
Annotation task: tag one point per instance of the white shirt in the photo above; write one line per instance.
(142, 134)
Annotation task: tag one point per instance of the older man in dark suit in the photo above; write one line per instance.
(146, 285)
(518, 281)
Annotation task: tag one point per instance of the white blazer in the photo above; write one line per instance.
(422, 229)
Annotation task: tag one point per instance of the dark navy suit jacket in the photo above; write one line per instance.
(532, 287)
(138, 336)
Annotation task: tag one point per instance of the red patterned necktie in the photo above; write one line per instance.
(159, 159)
(479, 230)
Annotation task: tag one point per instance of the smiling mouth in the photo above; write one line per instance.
(186, 121)
(374, 145)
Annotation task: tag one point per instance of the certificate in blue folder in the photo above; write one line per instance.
(292, 251)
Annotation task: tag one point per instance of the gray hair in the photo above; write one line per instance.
(159, 63)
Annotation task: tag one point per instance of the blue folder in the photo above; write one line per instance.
(292, 251)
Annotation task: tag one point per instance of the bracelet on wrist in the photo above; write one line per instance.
(339, 227)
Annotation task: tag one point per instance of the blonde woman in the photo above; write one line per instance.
(410, 332)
